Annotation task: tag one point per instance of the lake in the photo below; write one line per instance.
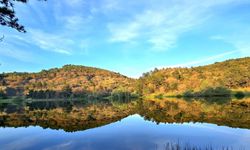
(168, 124)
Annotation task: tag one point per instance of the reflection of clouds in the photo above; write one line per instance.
(133, 133)
(244, 139)
(22, 144)
(214, 128)
(63, 146)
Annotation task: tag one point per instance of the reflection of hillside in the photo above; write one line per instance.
(67, 117)
(80, 115)
(233, 113)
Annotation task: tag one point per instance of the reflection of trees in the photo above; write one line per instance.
(231, 113)
(210, 100)
(80, 115)
(66, 115)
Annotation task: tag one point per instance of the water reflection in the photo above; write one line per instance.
(233, 113)
(67, 115)
(132, 132)
(132, 124)
(74, 115)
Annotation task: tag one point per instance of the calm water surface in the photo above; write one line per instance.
(133, 125)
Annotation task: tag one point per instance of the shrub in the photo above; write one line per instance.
(213, 92)
(209, 92)
(239, 95)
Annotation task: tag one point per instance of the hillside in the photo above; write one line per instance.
(66, 80)
(231, 74)
(81, 81)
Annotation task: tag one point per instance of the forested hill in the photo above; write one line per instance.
(232, 74)
(68, 79)
(72, 80)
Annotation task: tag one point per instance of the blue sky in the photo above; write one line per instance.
(130, 37)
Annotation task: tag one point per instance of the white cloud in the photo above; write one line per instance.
(52, 28)
(158, 23)
(8, 50)
(121, 35)
(202, 61)
(51, 42)
(239, 40)
(162, 25)
(61, 42)
(16, 54)
(205, 60)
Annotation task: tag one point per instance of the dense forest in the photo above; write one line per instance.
(218, 77)
(65, 82)
(79, 81)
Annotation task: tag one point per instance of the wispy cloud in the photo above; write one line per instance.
(22, 143)
(51, 42)
(163, 25)
(61, 32)
(203, 60)
(159, 24)
(45, 41)
(158, 27)
(16, 54)
(9, 50)
(239, 41)
(127, 29)
(213, 128)
(121, 35)
(65, 145)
